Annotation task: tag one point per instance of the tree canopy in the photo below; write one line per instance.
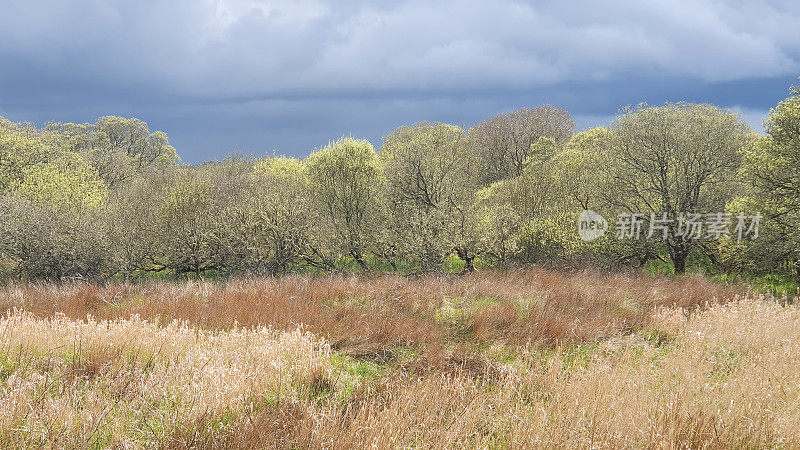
(112, 198)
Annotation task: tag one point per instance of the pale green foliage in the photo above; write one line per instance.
(20, 147)
(504, 144)
(51, 207)
(772, 170)
(679, 157)
(576, 167)
(276, 215)
(346, 184)
(68, 181)
(541, 152)
(57, 182)
(174, 222)
(582, 184)
(280, 166)
(121, 149)
(674, 158)
(191, 239)
(133, 137)
(111, 198)
(501, 220)
(430, 190)
(531, 217)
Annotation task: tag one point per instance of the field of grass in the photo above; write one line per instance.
(492, 359)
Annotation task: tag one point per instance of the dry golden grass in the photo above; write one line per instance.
(75, 383)
(520, 359)
(728, 378)
(364, 316)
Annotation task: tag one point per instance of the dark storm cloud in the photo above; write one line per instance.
(254, 76)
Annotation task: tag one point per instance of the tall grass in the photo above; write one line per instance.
(75, 383)
(496, 359)
(727, 378)
(361, 315)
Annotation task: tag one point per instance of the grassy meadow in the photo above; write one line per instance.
(491, 359)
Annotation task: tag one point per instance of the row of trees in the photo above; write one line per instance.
(112, 198)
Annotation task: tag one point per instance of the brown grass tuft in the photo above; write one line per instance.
(370, 317)
(529, 358)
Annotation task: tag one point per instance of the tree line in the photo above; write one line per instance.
(112, 199)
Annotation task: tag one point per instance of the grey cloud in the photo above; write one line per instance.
(236, 46)
(252, 75)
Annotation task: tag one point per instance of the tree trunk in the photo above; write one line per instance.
(469, 266)
(679, 262)
(360, 260)
(679, 253)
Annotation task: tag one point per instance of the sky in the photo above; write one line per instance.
(260, 77)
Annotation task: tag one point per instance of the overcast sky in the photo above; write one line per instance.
(254, 76)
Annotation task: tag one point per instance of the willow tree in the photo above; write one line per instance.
(505, 143)
(527, 218)
(187, 232)
(772, 171)
(430, 191)
(275, 216)
(21, 145)
(672, 159)
(120, 148)
(346, 184)
(51, 220)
